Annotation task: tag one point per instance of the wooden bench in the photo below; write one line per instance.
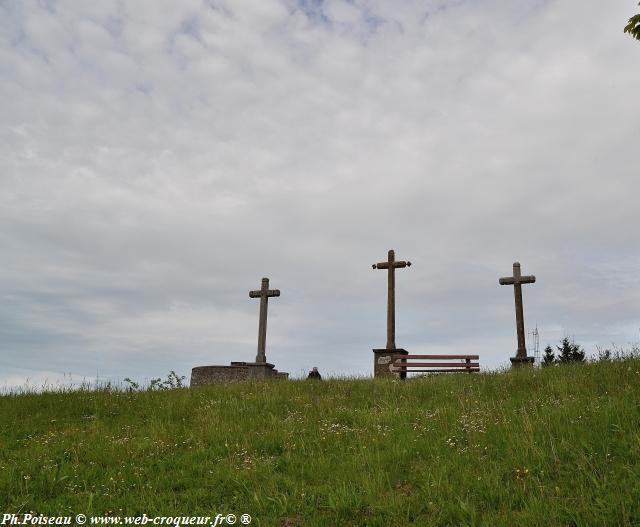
(445, 363)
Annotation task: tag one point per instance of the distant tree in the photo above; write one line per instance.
(570, 352)
(172, 382)
(578, 354)
(618, 353)
(132, 385)
(633, 27)
(549, 357)
(604, 355)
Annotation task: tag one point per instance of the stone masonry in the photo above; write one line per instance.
(236, 372)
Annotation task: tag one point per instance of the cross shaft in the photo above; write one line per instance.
(263, 293)
(391, 265)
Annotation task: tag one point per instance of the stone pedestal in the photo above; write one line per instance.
(382, 359)
(236, 372)
(258, 370)
(520, 362)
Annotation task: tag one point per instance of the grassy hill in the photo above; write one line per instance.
(558, 446)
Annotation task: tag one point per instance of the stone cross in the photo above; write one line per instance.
(391, 264)
(263, 293)
(516, 281)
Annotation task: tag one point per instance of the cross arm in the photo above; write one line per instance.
(527, 279)
(268, 292)
(385, 265)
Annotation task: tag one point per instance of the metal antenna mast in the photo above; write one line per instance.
(536, 344)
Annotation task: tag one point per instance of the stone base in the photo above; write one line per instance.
(382, 363)
(236, 372)
(520, 362)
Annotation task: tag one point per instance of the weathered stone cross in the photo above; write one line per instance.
(516, 281)
(263, 293)
(391, 264)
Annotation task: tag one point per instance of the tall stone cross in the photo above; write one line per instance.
(263, 293)
(391, 265)
(516, 281)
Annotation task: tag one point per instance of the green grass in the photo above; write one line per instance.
(557, 446)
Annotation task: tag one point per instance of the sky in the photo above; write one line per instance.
(158, 158)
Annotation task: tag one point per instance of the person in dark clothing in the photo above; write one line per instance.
(314, 374)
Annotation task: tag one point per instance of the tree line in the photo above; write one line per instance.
(570, 352)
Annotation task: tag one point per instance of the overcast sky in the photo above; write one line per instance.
(158, 158)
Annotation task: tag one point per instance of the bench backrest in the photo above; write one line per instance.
(435, 363)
